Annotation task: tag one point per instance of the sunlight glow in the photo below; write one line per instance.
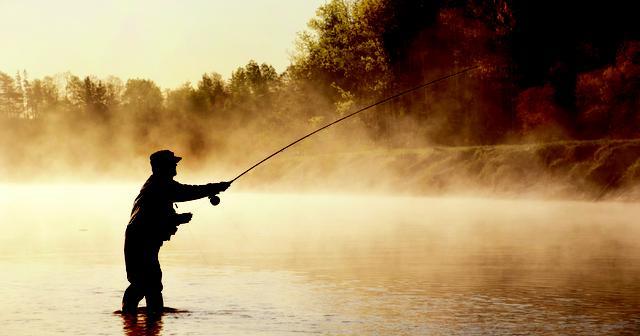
(170, 42)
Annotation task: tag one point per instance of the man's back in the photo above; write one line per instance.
(153, 208)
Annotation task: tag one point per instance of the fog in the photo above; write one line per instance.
(500, 201)
(415, 233)
(450, 265)
(552, 126)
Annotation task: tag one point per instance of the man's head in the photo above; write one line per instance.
(164, 163)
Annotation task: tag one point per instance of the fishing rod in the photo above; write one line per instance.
(215, 200)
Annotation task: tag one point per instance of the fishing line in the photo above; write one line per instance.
(198, 245)
(356, 112)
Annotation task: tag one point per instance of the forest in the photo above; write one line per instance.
(548, 72)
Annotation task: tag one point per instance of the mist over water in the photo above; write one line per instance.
(277, 264)
(464, 208)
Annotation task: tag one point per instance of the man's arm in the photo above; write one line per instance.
(185, 192)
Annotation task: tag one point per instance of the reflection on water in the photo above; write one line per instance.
(286, 264)
(142, 325)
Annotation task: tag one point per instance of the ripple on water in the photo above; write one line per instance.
(371, 266)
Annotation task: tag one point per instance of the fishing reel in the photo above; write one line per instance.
(214, 200)
(218, 187)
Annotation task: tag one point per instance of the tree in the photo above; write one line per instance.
(142, 98)
(179, 101)
(22, 86)
(92, 96)
(211, 95)
(252, 87)
(43, 96)
(343, 54)
(10, 97)
(253, 80)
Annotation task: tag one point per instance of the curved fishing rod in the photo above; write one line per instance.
(356, 112)
(215, 200)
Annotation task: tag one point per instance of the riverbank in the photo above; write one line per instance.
(593, 170)
(581, 170)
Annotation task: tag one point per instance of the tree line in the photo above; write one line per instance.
(571, 74)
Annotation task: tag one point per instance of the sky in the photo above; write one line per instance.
(170, 42)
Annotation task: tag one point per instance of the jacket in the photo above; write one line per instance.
(153, 218)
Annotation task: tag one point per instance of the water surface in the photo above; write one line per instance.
(278, 264)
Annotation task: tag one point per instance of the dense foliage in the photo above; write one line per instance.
(548, 71)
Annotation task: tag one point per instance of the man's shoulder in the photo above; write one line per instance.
(160, 181)
(155, 185)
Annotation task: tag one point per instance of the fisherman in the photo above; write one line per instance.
(153, 221)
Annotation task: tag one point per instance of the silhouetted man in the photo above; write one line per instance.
(153, 221)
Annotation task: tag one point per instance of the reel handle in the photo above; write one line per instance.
(214, 200)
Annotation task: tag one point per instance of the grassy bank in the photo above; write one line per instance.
(600, 169)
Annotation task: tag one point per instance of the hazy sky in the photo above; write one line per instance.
(170, 42)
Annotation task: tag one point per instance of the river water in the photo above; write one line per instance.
(284, 264)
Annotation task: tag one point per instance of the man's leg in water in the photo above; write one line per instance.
(134, 257)
(153, 286)
(145, 276)
(131, 298)
(155, 303)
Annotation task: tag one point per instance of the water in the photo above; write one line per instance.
(277, 264)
